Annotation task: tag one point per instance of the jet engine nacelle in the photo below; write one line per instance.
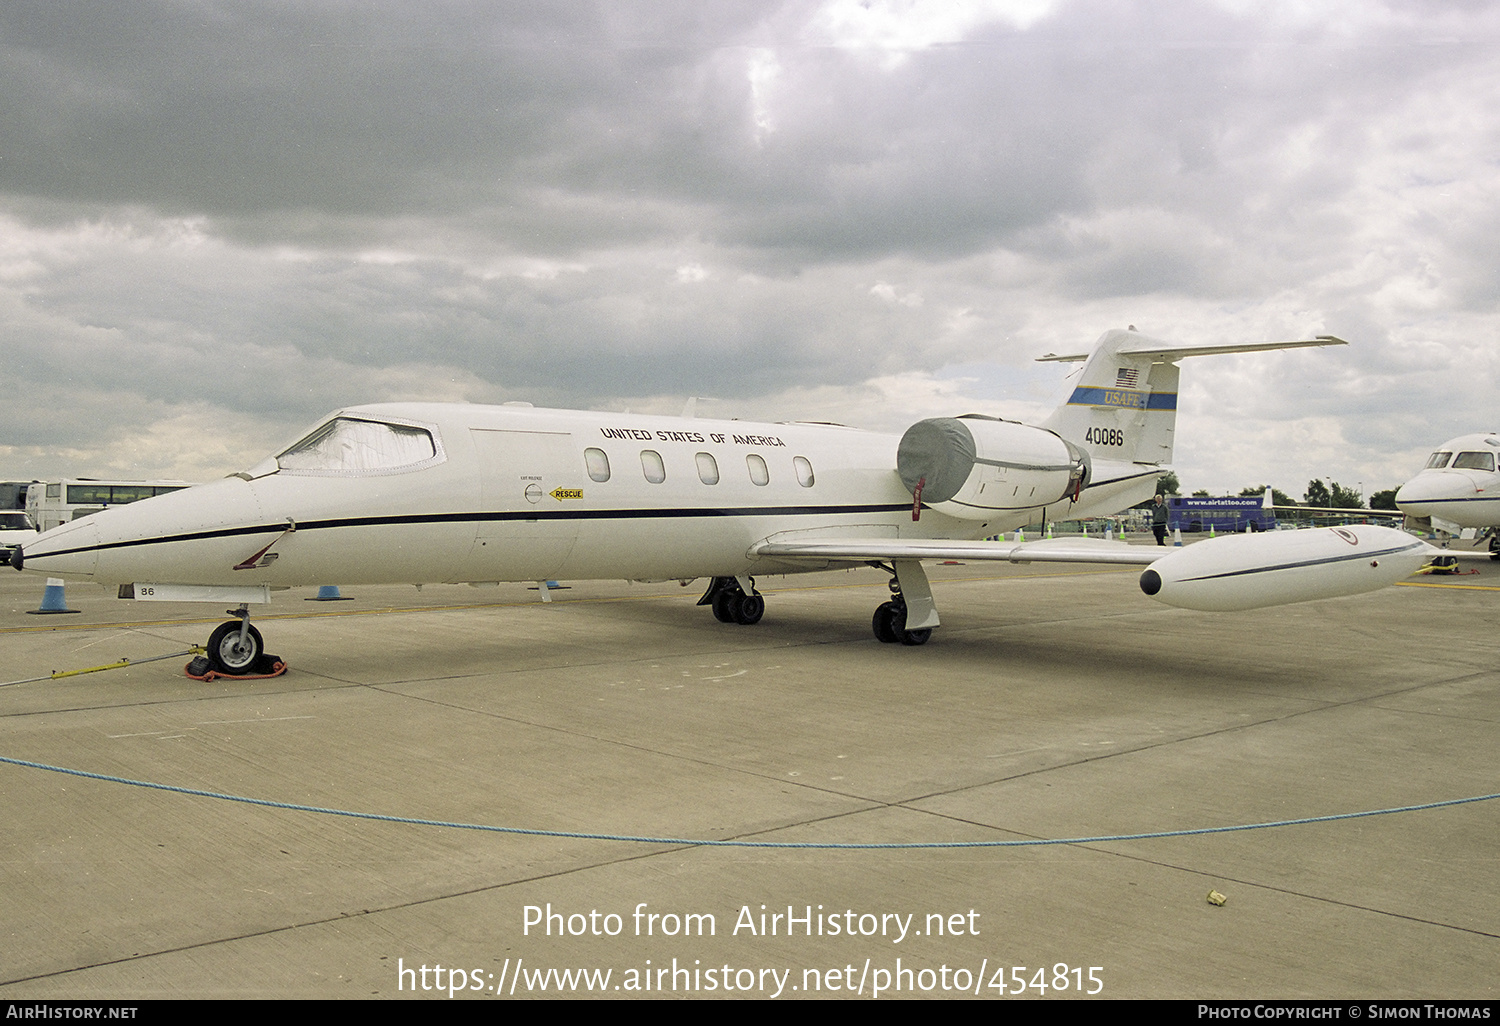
(1253, 570)
(973, 467)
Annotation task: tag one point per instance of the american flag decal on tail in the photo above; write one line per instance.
(1126, 377)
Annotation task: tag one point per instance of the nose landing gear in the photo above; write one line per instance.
(235, 649)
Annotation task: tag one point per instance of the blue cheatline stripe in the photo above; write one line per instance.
(1123, 397)
(499, 516)
(699, 842)
(1456, 498)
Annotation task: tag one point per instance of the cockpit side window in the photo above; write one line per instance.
(349, 446)
(1475, 461)
(1438, 460)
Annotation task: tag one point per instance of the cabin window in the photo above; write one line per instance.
(1475, 461)
(350, 446)
(652, 466)
(804, 471)
(597, 461)
(1438, 460)
(708, 468)
(758, 472)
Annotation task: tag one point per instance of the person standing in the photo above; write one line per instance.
(1159, 520)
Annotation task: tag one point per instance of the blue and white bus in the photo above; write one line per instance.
(1242, 513)
(51, 503)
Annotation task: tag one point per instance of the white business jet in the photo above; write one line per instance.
(437, 492)
(1458, 489)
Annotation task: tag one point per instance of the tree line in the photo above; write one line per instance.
(1330, 495)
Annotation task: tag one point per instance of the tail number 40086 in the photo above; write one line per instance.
(1104, 436)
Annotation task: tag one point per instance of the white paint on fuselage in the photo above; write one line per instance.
(512, 500)
(1464, 496)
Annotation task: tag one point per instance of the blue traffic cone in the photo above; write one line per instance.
(53, 600)
(329, 593)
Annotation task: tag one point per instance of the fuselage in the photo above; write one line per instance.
(430, 493)
(1460, 484)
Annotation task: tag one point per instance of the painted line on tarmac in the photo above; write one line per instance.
(731, 843)
(1437, 584)
(516, 604)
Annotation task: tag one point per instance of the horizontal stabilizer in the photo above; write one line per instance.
(1154, 349)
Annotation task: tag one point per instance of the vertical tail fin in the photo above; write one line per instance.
(1124, 407)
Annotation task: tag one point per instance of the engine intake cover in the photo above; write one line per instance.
(973, 467)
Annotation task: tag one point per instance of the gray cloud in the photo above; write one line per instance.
(269, 210)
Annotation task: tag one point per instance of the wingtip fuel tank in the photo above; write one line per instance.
(1254, 570)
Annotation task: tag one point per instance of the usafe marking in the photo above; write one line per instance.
(1122, 398)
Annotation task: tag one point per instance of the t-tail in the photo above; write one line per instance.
(1123, 411)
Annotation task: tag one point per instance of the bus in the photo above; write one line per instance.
(13, 495)
(51, 503)
(1244, 513)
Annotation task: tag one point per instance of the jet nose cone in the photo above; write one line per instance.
(71, 550)
(1433, 487)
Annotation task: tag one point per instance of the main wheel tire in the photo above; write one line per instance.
(917, 637)
(884, 623)
(227, 653)
(749, 609)
(723, 606)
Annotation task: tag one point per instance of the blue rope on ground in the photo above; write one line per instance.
(736, 844)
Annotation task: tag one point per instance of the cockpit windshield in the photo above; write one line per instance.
(348, 446)
(1438, 460)
(1475, 461)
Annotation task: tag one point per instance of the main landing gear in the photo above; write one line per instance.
(889, 621)
(734, 600)
(910, 615)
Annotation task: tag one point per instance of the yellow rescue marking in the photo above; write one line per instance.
(566, 493)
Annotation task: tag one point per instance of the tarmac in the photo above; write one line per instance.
(1053, 704)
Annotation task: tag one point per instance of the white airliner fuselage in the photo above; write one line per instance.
(436, 492)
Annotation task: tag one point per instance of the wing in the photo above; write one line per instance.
(1240, 571)
(881, 550)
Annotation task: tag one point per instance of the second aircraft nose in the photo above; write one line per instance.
(1434, 487)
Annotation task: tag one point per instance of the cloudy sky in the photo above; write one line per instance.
(220, 220)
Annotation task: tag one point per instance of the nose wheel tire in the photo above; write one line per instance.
(228, 654)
